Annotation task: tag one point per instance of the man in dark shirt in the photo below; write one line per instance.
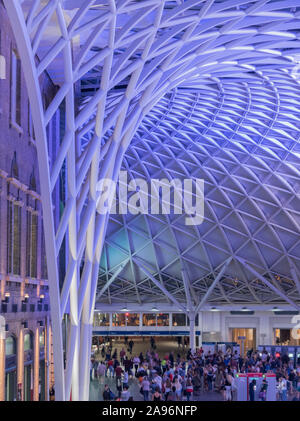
(107, 394)
(127, 364)
(252, 388)
(118, 371)
(131, 343)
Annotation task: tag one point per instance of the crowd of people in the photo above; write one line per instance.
(185, 376)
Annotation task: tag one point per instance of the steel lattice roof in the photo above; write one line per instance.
(214, 87)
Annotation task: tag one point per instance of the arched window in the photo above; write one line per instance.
(32, 182)
(42, 338)
(28, 342)
(31, 231)
(13, 224)
(10, 346)
(14, 167)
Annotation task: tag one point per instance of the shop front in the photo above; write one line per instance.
(245, 337)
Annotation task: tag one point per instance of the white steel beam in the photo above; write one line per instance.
(268, 283)
(212, 286)
(159, 285)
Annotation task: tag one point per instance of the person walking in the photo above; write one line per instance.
(107, 394)
(156, 395)
(189, 389)
(263, 390)
(136, 361)
(131, 343)
(122, 355)
(145, 386)
(118, 372)
(152, 341)
(125, 394)
(228, 395)
(167, 388)
(179, 339)
(101, 372)
(178, 387)
(125, 379)
(282, 388)
(252, 388)
(110, 368)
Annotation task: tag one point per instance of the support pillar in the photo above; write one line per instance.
(110, 321)
(20, 366)
(2, 358)
(265, 331)
(200, 328)
(36, 364)
(85, 347)
(192, 331)
(47, 359)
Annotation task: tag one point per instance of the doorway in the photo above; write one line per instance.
(27, 382)
(285, 337)
(245, 337)
(10, 386)
(42, 380)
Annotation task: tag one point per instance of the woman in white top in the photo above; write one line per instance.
(178, 387)
(282, 387)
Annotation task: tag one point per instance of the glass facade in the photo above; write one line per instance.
(162, 319)
(285, 337)
(101, 319)
(132, 319)
(178, 319)
(149, 319)
(119, 320)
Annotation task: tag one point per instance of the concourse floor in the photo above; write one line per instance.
(142, 344)
(164, 345)
(96, 390)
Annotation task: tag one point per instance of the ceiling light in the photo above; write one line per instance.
(214, 309)
(154, 309)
